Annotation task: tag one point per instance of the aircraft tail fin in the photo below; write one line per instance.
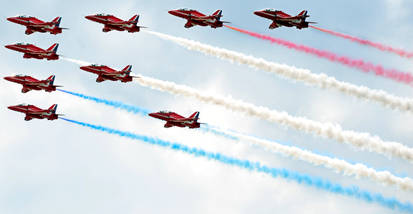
(194, 116)
(304, 14)
(217, 14)
(50, 80)
(53, 108)
(56, 21)
(134, 19)
(53, 48)
(127, 69)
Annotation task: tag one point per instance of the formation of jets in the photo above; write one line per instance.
(103, 72)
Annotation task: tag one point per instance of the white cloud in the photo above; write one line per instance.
(397, 9)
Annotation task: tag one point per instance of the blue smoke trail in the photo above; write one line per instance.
(115, 104)
(141, 111)
(319, 183)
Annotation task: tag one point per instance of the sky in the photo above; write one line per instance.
(54, 166)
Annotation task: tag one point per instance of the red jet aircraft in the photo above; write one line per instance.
(174, 119)
(35, 25)
(194, 17)
(112, 22)
(31, 51)
(106, 73)
(29, 83)
(32, 111)
(280, 18)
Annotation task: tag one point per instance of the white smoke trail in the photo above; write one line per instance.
(339, 166)
(303, 75)
(362, 141)
(79, 62)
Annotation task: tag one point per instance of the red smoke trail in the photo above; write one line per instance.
(382, 47)
(360, 64)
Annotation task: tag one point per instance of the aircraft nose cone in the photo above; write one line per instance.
(257, 13)
(9, 46)
(7, 78)
(151, 114)
(90, 17)
(172, 12)
(11, 19)
(11, 107)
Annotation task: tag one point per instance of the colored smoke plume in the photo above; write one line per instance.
(307, 180)
(115, 104)
(366, 42)
(392, 74)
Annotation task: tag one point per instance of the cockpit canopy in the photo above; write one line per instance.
(96, 65)
(103, 14)
(22, 43)
(269, 10)
(164, 112)
(185, 9)
(24, 16)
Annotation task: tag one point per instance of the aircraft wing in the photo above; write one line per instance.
(35, 50)
(115, 24)
(39, 25)
(288, 19)
(105, 73)
(179, 120)
(114, 21)
(200, 18)
(31, 83)
(35, 112)
(189, 24)
(26, 89)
